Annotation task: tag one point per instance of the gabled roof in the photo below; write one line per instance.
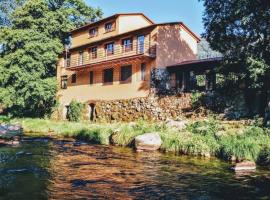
(109, 18)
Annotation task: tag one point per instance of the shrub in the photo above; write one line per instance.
(196, 99)
(75, 111)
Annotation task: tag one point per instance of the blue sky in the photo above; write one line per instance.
(188, 11)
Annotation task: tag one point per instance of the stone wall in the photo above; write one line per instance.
(150, 108)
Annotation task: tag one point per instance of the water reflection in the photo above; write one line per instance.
(64, 169)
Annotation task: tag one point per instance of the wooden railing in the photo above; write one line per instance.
(118, 52)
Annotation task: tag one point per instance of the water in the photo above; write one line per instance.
(55, 169)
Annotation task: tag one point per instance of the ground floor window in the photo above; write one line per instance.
(126, 73)
(63, 82)
(91, 78)
(73, 78)
(143, 72)
(108, 75)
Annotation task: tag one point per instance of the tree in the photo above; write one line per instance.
(240, 30)
(6, 8)
(30, 49)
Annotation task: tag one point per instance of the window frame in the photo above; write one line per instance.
(81, 58)
(95, 33)
(108, 82)
(74, 78)
(112, 28)
(93, 54)
(67, 60)
(127, 47)
(106, 48)
(64, 79)
(127, 79)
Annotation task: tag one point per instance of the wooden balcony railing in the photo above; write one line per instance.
(118, 52)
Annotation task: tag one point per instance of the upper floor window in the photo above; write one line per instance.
(67, 60)
(80, 61)
(140, 43)
(73, 78)
(93, 53)
(109, 27)
(64, 82)
(108, 75)
(126, 73)
(93, 32)
(109, 48)
(127, 44)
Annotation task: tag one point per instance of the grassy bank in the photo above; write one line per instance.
(200, 138)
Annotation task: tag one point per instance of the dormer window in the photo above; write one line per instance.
(93, 32)
(109, 27)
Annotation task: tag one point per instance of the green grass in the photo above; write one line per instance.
(200, 138)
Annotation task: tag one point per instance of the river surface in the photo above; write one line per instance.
(56, 169)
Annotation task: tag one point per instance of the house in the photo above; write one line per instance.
(121, 57)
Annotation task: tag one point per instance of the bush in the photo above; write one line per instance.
(196, 99)
(75, 111)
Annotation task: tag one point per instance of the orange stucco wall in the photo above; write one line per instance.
(174, 45)
(83, 91)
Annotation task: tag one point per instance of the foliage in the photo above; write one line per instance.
(75, 111)
(197, 99)
(30, 48)
(239, 29)
(6, 9)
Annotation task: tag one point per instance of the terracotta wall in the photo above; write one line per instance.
(174, 45)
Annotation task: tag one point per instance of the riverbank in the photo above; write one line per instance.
(204, 137)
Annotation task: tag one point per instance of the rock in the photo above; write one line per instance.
(148, 142)
(180, 125)
(244, 166)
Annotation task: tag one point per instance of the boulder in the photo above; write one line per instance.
(244, 166)
(180, 125)
(148, 142)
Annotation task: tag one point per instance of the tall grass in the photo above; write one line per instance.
(200, 138)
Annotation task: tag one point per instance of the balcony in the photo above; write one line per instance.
(117, 53)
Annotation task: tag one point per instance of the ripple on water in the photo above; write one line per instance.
(66, 169)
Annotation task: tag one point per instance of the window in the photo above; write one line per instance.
(127, 45)
(126, 73)
(93, 32)
(67, 60)
(93, 53)
(109, 27)
(80, 61)
(109, 48)
(108, 75)
(73, 78)
(140, 44)
(143, 72)
(63, 82)
(91, 78)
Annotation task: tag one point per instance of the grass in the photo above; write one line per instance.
(200, 138)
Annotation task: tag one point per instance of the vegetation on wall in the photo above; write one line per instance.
(31, 39)
(75, 111)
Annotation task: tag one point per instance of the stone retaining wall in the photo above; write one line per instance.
(150, 108)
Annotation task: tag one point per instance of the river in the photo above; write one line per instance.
(41, 168)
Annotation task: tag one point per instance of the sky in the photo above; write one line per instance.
(188, 11)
